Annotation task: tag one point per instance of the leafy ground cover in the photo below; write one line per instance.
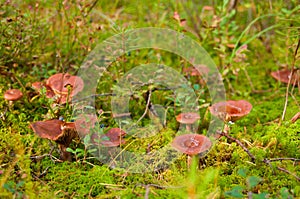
(247, 40)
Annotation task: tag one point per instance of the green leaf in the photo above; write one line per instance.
(243, 172)
(284, 193)
(9, 187)
(260, 196)
(252, 181)
(70, 150)
(236, 192)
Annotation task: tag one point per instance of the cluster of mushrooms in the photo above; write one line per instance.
(63, 87)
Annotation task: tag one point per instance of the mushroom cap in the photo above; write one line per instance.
(37, 85)
(231, 110)
(49, 129)
(284, 76)
(191, 144)
(13, 94)
(187, 118)
(40, 85)
(110, 139)
(59, 82)
(85, 122)
(56, 130)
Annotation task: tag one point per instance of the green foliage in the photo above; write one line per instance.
(41, 38)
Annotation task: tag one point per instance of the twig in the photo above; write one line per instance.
(290, 80)
(288, 172)
(94, 95)
(91, 8)
(266, 161)
(43, 173)
(239, 143)
(147, 106)
(38, 157)
(159, 186)
(280, 159)
(147, 187)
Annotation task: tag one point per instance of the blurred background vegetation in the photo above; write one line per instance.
(41, 38)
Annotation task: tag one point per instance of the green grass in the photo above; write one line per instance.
(41, 38)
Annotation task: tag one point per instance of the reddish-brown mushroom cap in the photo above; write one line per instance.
(284, 76)
(58, 131)
(59, 82)
(295, 117)
(110, 139)
(48, 129)
(192, 144)
(37, 85)
(40, 85)
(187, 118)
(231, 110)
(13, 94)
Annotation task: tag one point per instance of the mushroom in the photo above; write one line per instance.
(59, 84)
(111, 138)
(295, 117)
(38, 86)
(57, 87)
(192, 144)
(231, 110)
(56, 130)
(12, 95)
(188, 119)
(285, 75)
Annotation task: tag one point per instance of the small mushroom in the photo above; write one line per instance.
(295, 117)
(56, 130)
(111, 138)
(60, 81)
(231, 110)
(13, 94)
(57, 87)
(285, 75)
(188, 119)
(38, 86)
(191, 144)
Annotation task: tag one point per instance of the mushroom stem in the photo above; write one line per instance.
(189, 161)
(188, 127)
(64, 154)
(226, 128)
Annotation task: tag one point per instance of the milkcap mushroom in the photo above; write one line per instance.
(110, 139)
(231, 110)
(59, 83)
(38, 86)
(13, 94)
(284, 76)
(191, 144)
(188, 119)
(56, 130)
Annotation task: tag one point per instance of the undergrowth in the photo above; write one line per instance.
(41, 38)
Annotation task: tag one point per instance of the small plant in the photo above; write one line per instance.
(252, 189)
